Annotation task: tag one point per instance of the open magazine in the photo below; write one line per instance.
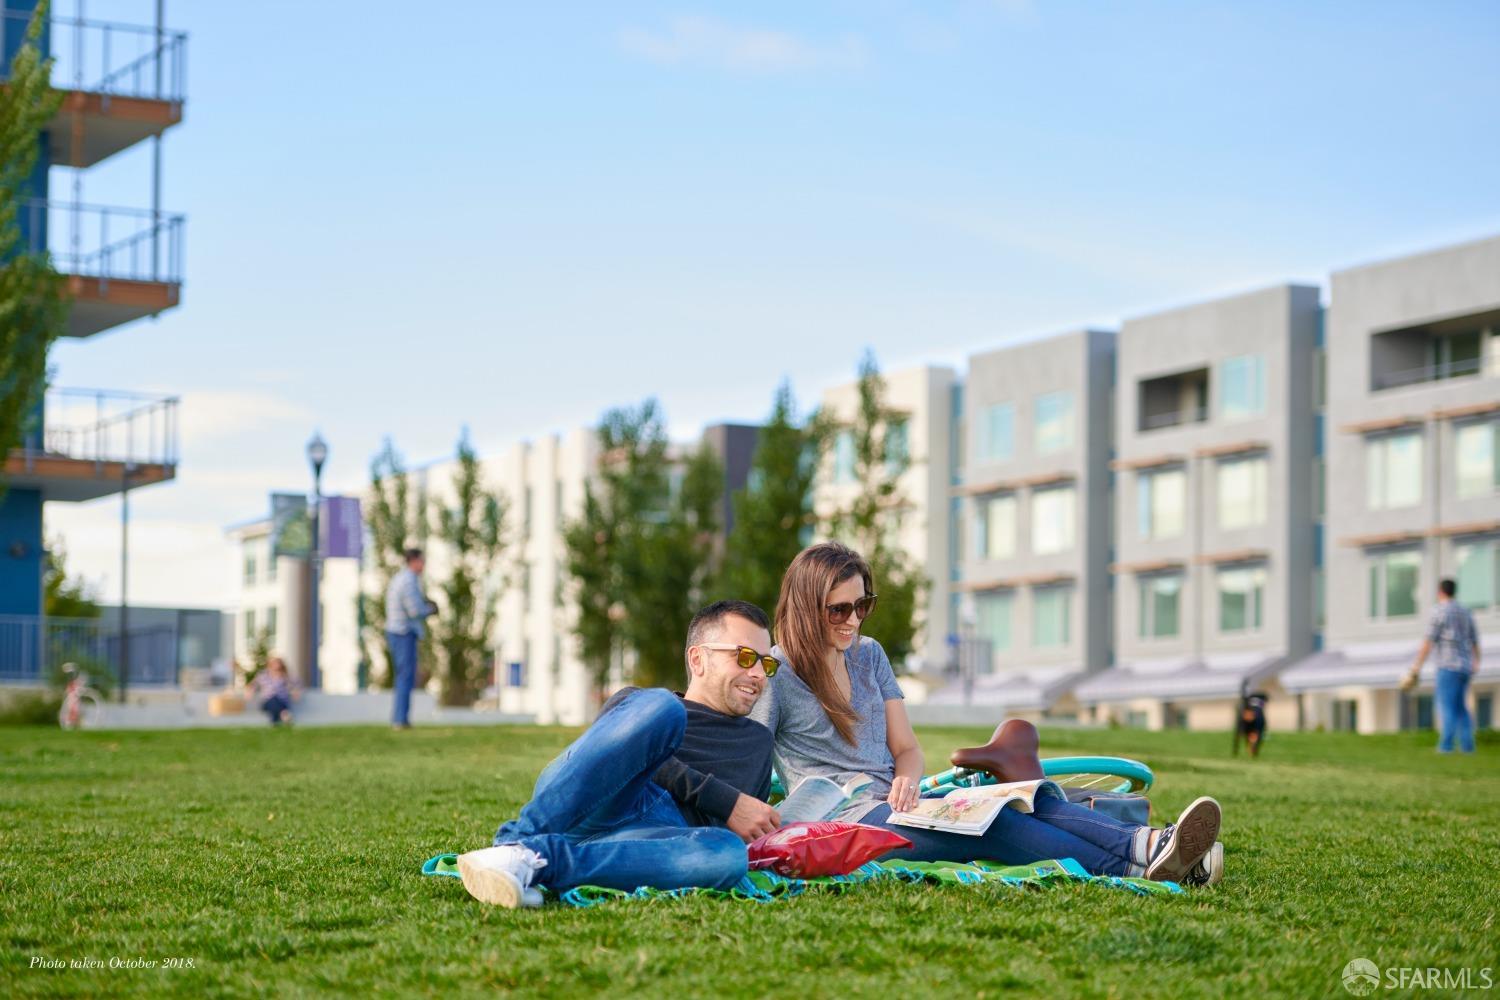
(971, 811)
(816, 799)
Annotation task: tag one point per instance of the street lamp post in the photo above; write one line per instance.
(317, 454)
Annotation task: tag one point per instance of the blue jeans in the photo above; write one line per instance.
(1057, 829)
(599, 819)
(273, 707)
(1452, 686)
(404, 652)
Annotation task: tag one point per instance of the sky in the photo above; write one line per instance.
(511, 216)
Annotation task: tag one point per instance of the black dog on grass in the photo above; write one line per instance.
(1251, 721)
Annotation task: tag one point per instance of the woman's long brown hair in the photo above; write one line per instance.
(802, 623)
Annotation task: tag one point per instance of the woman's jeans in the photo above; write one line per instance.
(1057, 829)
(273, 707)
(1452, 687)
(599, 819)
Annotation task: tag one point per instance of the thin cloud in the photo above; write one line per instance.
(706, 41)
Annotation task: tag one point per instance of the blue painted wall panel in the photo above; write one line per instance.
(21, 552)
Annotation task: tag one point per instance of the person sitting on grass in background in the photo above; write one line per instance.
(838, 712)
(663, 790)
(277, 690)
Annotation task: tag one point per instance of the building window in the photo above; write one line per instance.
(1052, 520)
(515, 675)
(1050, 608)
(250, 627)
(995, 527)
(1393, 470)
(526, 512)
(1160, 598)
(1054, 422)
(1242, 492)
(897, 447)
(1393, 584)
(1320, 488)
(1161, 503)
(843, 457)
(999, 437)
(992, 613)
(1242, 387)
(1477, 457)
(1346, 715)
(1478, 575)
(249, 566)
(1241, 597)
(271, 623)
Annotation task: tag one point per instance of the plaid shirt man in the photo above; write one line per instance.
(1454, 638)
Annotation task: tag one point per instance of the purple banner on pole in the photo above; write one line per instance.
(343, 529)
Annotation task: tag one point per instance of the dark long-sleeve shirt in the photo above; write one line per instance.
(720, 757)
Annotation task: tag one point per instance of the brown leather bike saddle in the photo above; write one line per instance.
(1010, 755)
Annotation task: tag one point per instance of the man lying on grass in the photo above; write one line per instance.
(662, 790)
(665, 790)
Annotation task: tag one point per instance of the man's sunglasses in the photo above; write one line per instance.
(746, 657)
(839, 613)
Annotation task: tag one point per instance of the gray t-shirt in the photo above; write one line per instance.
(808, 744)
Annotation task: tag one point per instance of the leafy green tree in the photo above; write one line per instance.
(773, 513)
(472, 532)
(32, 308)
(641, 555)
(64, 596)
(396, 516)
(871, 520)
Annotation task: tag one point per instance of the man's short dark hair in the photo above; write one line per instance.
(412, 555)
(1448, 587)
(710, 618)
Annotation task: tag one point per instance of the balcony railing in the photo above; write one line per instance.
(1427, 373)
(107, 57)
(34, 648)
(95, 241)
(1174, 418)
(99, 426)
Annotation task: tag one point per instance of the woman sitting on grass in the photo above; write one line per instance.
(838, 713)
(276, 690)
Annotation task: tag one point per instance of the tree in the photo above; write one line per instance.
(396, 519)
(640, 556)
(32, 308)
(871, 521)
(472, 531)
(773, 513)
(63, 596)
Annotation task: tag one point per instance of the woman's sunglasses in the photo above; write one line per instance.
(839, 613)
(746, 657)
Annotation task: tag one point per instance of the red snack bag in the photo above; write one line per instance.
(807, 850)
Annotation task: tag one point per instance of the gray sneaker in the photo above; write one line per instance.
(1210, 868)
(1184, 843)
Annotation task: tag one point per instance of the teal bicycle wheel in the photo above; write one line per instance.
(1100, 774)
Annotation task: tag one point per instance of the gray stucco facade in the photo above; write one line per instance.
(1214, 540)
(1413, 386)
(1035, 522)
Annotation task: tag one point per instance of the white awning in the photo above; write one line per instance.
(1033, 690)
(1367, 664)
(1214, 677)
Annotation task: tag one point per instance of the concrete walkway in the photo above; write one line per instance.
(172, 709)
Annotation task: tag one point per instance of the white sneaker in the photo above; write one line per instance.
(1184, 843)
(1209, 870)
(501, 876)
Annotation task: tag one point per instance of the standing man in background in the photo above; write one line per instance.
(1451, 631)
(405, 608)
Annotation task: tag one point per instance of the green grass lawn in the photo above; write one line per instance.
(287, 861)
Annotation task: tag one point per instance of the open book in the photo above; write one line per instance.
(971, 811)
(816, 799)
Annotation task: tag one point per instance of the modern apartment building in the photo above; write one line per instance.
(923, 397)
(122, 90)
(1413, 491)
(1032, 594)
(1214, 508)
